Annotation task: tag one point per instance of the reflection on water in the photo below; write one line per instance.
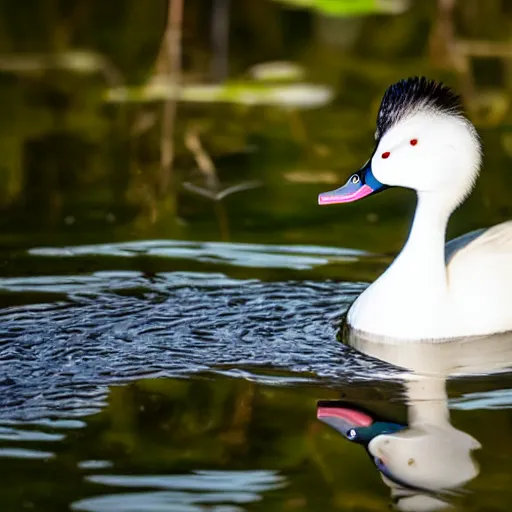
(247, 255)
(426, 460)
(203, 490)
(218, 443)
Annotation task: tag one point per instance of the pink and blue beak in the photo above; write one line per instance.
(353, 422)
(361, 184)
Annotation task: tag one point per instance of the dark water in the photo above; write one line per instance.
(163, 350)
(196, 390)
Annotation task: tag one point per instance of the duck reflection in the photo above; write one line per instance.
(426, 461)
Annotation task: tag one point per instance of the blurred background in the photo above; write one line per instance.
(223, 119)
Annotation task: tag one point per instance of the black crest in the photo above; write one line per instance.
(411, 93)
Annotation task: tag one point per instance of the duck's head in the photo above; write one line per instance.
(423, 142)
(354, 422)
(418, 463)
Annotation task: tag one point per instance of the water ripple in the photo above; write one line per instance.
(58, 359)
(299, 257)
(195, 492)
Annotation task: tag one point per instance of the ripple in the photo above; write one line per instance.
(493, 399)
(252, 481)
(11, 434)
(207, 490)
(299, 257)
(57, 360)
(95, 464)
(24, 453)
(165, 501)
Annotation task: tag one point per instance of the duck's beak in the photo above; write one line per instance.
(342, 418)
(361, 184)
(353, 422)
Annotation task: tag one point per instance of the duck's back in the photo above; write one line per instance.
(479, 273)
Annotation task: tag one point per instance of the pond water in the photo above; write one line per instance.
(165, 346)
(125, 390)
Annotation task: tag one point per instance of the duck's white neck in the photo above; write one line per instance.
(411, 296)
(422, 258)
(427, 402)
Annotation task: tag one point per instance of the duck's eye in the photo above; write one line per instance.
(352, 434)
(414, 142)
(355, 179)
(386, 154)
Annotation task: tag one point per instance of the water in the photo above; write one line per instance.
(113, 326)
(196, 390)
(163, 345)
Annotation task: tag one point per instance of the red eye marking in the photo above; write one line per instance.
(414, 142)
(386, 154)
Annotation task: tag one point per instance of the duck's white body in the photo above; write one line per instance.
(425, 143)
(421, 296)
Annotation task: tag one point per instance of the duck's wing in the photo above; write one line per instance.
(496, 240)
(455, 245)
(479, 274)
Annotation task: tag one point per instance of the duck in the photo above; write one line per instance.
(433, 290)
(424, 464)
(425, 460)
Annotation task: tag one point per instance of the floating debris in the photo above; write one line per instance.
(342, 8)
(277, 71)
(297, 95)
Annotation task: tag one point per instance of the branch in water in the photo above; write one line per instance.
(169, 61)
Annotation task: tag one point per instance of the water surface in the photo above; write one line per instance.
(197, 390)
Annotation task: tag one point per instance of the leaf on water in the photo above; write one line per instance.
(347, 8)
(246, 93)
(75, 61)
(277, 71)
(327, 177)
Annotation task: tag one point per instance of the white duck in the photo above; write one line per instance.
(431, 291)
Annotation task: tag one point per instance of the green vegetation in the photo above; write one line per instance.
(82, 97)
(350, 7)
